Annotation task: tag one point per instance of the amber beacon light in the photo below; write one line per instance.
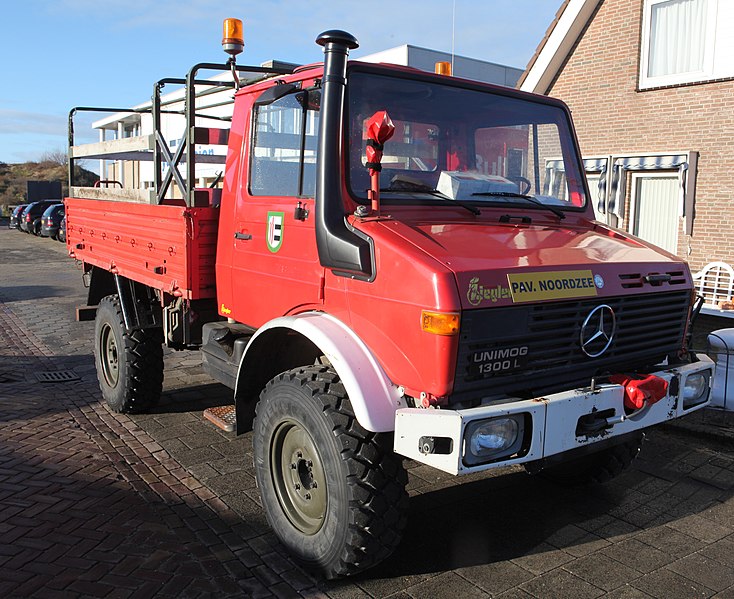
(443, 68)
(233, 41)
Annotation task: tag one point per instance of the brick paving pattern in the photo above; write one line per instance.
(92, 505)
(164, 504)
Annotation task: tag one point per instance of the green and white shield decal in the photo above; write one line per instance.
(275, 230)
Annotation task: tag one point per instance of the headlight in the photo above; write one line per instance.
(696, 389)
(487, 440)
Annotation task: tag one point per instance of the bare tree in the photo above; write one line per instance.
(58, 157)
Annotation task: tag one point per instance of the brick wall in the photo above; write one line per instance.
(599, 82)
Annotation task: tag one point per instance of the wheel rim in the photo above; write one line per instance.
(298, 477)
(109, 356)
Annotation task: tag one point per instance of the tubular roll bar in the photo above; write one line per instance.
(161, 153)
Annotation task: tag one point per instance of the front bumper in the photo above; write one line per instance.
(553, 422)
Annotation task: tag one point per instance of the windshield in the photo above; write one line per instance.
(456, 143)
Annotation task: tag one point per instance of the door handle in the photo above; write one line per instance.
(242, 236)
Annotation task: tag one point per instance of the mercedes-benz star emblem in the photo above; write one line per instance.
(598, 331)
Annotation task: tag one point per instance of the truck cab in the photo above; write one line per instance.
(485, 226)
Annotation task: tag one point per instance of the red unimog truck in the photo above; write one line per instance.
(397, 263)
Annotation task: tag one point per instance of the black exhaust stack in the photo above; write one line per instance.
(340, 247)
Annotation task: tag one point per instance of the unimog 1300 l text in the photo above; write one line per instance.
(395, 264)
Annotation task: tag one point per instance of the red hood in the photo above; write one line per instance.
(482, 255)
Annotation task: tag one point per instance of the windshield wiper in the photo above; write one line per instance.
(512, 194)
(419, 188)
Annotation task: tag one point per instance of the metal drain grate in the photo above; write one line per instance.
(57, 376)
(222, 416)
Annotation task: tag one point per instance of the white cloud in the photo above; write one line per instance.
(28, 135)
(18, 121)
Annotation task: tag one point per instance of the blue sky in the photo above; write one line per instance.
(56, 54)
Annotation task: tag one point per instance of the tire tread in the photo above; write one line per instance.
(143, 354)
(597, 468)
(376, 480)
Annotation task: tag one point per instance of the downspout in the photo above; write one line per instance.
(340, 247)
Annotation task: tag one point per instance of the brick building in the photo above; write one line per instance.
(651, 87)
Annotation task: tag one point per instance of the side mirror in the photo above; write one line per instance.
(274, 93)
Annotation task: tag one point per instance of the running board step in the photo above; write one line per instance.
(223, 417)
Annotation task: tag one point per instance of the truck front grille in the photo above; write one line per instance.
(532, 350)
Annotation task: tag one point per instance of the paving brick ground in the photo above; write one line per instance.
(164, 504)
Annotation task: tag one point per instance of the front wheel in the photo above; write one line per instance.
(333, 492)
(129, 363)
(599, 467)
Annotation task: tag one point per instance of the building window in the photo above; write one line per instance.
(686, 41)
(654, 209)
(662, 194)
(596, 176)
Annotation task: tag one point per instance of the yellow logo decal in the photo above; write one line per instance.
(478, 293)
(534, 286)
(225, 310)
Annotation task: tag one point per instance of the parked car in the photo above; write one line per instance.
(62, 231)
(51, 219)
(14, 222)
(30, 220)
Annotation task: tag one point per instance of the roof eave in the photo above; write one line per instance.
(569, 24)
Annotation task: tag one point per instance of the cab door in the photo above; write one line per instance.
(275, 266)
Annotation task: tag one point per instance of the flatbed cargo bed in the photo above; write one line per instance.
(167, 247)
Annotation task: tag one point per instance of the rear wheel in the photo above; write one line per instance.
(599, 467)
(129, 363)
(334, 493)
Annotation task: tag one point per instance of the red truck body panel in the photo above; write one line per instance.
(485, 252)
(170, 248)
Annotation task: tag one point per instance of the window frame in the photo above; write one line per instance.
(614, 179)
(635, 204)
(706, 74)
(305, 121)
(569, 150)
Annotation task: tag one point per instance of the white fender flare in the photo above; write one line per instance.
(374, 397)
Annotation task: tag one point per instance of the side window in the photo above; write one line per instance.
(283, 157)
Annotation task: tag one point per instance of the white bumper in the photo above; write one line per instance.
(553, 422)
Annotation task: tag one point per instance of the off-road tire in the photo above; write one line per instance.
(129, 363)
(599, 467)
(359, 508)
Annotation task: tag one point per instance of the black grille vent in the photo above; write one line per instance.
(528, 351)
(636, 280)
